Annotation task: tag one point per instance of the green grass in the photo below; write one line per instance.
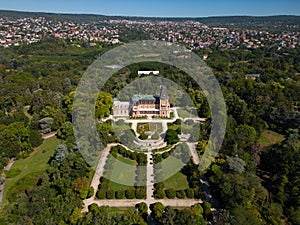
(116, 187)
(178, 182)
(269, 138)
(30, 168)
(156, 127)
(124, 171)
(183, 113)
(173, 126)
(126, 160)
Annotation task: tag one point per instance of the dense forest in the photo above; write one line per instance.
(255, 178)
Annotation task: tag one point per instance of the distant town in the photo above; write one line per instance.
(193, 34)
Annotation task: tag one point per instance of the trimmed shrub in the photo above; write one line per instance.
(198, 193)
(110, 194)
(130, 193)
(101, 194)
(140, 193)
(159, 194)
(120, 194)
(180, 194)
(170, 193)
(189, 193)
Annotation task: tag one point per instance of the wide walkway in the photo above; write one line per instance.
(150, 173)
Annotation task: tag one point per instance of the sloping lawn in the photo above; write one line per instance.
(178, 182)
(29, 168)
(269, 138)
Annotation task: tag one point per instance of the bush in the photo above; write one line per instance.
(180, 194)
(120, 194)
(143, 136)
(130, 193)
(110, 194)
(198, 194)
(165, 155)
(159, 194)
(189, 193)
(101, 194)
(171, 137)
(140, 193)
(91, 192)
(170, 193)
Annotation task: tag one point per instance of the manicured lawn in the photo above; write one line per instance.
(30, 168)
(126, 160)
(173, 126)
(124, 171)
(156, 127)
(183, 113)
(177, 182)
(116, 187)
(269, 138)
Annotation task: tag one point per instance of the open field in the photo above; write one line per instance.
(269, 138)
(178, 182)
(29, 168)
(124, 175)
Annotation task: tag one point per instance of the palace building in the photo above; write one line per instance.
(144, 105)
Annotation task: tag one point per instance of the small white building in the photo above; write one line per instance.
(155, 72)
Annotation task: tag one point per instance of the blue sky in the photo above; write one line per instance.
(162, 8)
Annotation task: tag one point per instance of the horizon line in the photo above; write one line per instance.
(162, 17)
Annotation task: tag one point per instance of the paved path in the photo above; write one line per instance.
(150, 180)
(194, 153)
(49, 135)
(133, 202)
(100, 168)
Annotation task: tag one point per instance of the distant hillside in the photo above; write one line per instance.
(248, 22)
(252, 22)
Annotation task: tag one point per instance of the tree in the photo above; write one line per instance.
(236, 164)
(158, 210)
(207, 210)
(35, 138)
(61, 153)
(66, 131)
(130, 193)
(171, 193)
(180, 194)
(171, 137)
(120, 194)
(104, 104)
(244, 216)
(81, 187)
(245, 136)
(197, 209)
(142, 209)
(46, 125)
(110, 194)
